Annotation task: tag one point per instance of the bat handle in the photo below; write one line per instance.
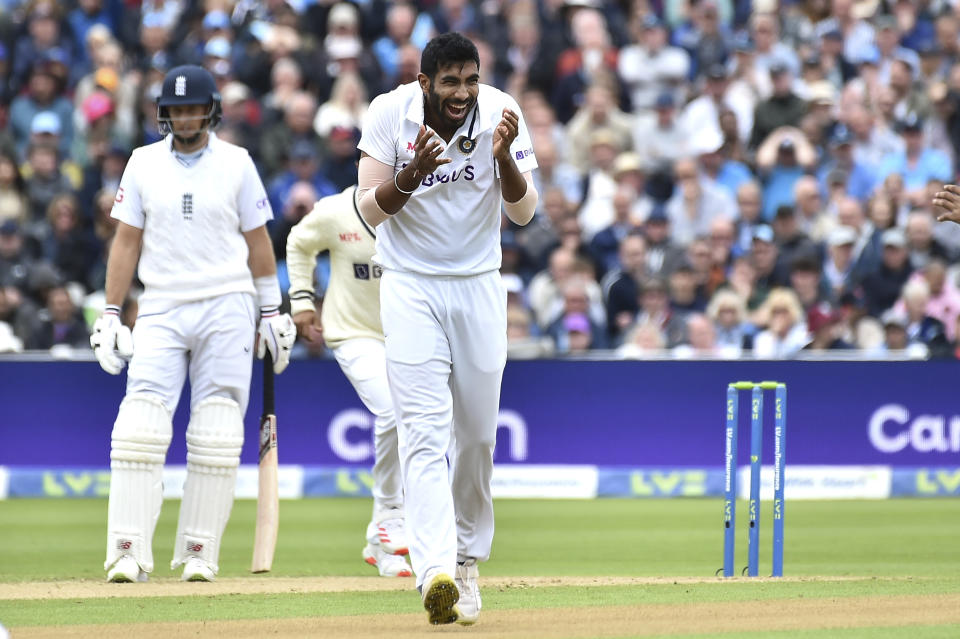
(268, 400)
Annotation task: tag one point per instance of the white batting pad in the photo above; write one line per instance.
(138, 448)
(214, 440)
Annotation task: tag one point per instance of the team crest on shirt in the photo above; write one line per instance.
(466, 144)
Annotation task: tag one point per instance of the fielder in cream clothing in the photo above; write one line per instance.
(440, 158)
(350, 325)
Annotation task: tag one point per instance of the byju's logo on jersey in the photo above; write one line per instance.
(180, 85)
(188, 206)
(525, 153)
(442, 177)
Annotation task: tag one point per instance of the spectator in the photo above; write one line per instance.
(64, 242)
(44, 179)
(655, 310)
(685, 296)
(767, 267)
(9, 342)
(881, 288)
(783, 158)
(297, 126)
(700, 341)
(642, 341)
(826, 328)
(785, 333)
(944, 303)
(659, 138)
(340, 168)
(60, 323)
(806, 281)
(606, 243)
(695, 203)
(860, 178)
(748, 216)
(592, 57)
(812, 218)
(44, 94)
(552, 171)
(299, 201)
(651, 69)
(663, 255)
(783, 108)
(921, 327)
(579, 324)
(621, 286)
(521, 342)
(13, 191)
(921, 244)
(917, 163)
(345, 108)
(599, 112)
(728, 312)
(838, 269)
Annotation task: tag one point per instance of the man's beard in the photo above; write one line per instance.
(188, 140)
(436, 105)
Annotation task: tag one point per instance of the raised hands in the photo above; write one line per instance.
(426, 155)
(948, 202)
(504, 135)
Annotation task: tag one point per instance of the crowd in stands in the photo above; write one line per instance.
(717, 178)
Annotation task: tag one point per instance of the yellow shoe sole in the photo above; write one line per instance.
(440, 600)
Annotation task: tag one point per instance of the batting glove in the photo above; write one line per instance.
(112, 342)
(276, 334)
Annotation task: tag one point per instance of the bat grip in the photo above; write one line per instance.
(268, 402)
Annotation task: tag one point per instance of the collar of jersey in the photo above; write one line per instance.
(211, 140)
(415, 113)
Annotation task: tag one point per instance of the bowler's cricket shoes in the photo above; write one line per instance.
(126, 571)
(388, 565)
(466, 580)
(197, 569)
(440, 597)
(393, 536)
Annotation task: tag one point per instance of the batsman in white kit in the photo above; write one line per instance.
(350, 325)
(439, 157)
(191, 211)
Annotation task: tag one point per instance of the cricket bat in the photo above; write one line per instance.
(268, 501)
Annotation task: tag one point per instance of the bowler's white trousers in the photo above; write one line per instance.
(363, 361)
(446, 344)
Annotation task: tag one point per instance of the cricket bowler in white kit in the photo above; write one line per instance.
(191, 211)
(439, 157)
(350, 326)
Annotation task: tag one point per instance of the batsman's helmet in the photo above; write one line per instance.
(184, 85)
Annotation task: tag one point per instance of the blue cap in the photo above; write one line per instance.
(658, 213)
(651, 21)
(841, 135)
(218, 47)
(9, 227)
(216, 19)
(46, 122)
(742, 42)
(665, 101)
(911, 122)
(763, 233)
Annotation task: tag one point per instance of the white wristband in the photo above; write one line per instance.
(268, 292)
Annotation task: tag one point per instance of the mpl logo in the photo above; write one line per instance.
(892, 430)
(356, 450)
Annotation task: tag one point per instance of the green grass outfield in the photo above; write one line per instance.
(867, 548)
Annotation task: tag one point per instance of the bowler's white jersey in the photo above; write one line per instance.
(451, 224)
(192, 218)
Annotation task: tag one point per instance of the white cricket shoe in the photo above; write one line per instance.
(466, 579)
(126, 571)
(393, 536)
(197, 569)
(388, 565)
(440, 597)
